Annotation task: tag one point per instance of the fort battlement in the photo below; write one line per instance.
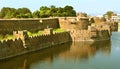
(7, 26)
(87, 35)
(14, 47)
(77, 30)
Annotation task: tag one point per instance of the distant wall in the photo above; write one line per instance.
(74, 23)
(79, 31)
(86, 35)
(114, 26)
(15, 47)
(8, 25)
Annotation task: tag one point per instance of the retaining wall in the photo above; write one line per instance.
(72, 23)
(78, 32)
(15, 47)
(87, 35)
(7, 26)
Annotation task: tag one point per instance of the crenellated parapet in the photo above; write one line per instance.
(14, 47)
(87, 35)
(94, 33)
(10, 47)
(78, 29)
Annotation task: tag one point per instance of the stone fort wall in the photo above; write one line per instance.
(10, 48)
(74, 23)
(7, 26)
(82, 23)
(87, 35)
(79, 31)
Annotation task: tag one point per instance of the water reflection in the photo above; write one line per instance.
(86, 50)
(69, 51)
(25, 61)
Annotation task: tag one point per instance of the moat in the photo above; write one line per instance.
(75, 55)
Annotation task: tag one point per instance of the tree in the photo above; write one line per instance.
(7, 12)
(56, 11)
(24, 13)
(4, 11)
(67, 8)
(44, 11)
(60, 11)
(53, 10)
(11, 13)
(36, 14)
(109, 13)
(68, 11)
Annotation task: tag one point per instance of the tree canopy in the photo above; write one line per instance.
(24, 13)
(7, 12)
(44, 11)
(109, 13)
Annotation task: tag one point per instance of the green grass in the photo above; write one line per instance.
(35, 34)
(41, 32)
(6, 37)
(59, 30)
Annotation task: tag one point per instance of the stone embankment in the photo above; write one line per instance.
(79, 30)
(11, 48)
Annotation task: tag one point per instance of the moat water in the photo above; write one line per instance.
(75, 55)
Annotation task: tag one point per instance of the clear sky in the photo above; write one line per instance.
(88, 6)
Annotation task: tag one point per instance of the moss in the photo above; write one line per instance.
(35, 34)
(6, 37)
(59, 30)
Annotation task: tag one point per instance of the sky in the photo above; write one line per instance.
(89, 6)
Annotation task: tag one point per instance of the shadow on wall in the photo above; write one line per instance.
(25, 61)
(32, 25)
(11, 48)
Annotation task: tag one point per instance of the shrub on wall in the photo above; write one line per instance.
(58, 30)
(35, 34)
(6, 37)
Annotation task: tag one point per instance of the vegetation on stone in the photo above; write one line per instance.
(41, 32)
(109, 14)
(6, 37)
(59, 30)
(35, 34)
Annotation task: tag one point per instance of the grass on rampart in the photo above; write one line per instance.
(35, 34)
(42, 32)
(58, 30)
(6, 37)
